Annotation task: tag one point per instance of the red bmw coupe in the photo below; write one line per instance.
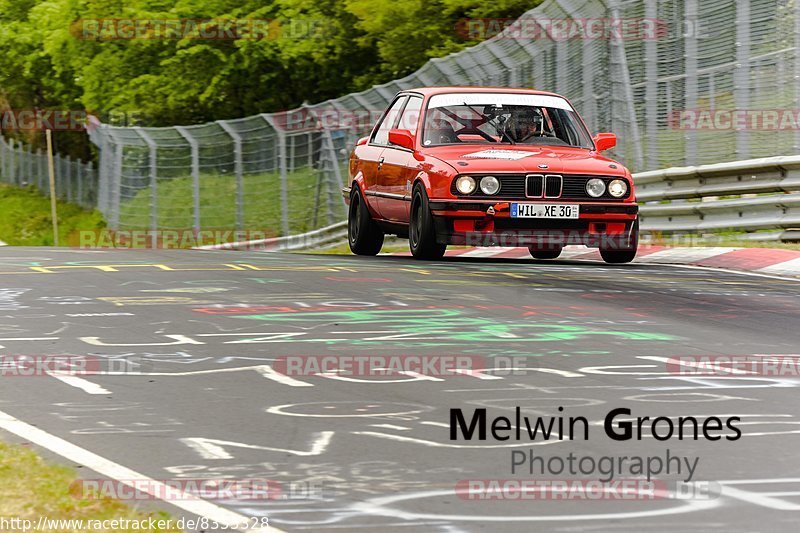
(489, 167)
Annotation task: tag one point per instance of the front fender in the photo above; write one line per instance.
(423, 179)
(435, 175)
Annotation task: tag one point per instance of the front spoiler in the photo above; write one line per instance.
(473, 209)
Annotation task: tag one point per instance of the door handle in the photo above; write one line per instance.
(380, 163)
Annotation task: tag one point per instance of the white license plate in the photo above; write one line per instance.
(544, 210)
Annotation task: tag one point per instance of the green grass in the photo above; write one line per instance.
(25, 218)
(261, 208)
(31, 487)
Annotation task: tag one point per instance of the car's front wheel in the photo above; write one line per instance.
(421, 233)
(363, 234)
(625, 251)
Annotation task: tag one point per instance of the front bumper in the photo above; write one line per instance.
(487, 223)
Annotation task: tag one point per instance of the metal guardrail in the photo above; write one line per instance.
(754, 195)
(329, 235)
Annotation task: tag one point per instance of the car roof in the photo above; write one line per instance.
(429, 91)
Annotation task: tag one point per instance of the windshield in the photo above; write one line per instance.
(489, 118)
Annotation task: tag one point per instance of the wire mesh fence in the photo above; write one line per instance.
(681, 82)
(20, 165)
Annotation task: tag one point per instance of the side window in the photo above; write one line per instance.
(382, 133)
(410, 119)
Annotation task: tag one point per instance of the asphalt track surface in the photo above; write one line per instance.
(197, 334)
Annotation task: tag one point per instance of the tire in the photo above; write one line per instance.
(627, 252)
(540, 253)
(363, 234)
(421, 233)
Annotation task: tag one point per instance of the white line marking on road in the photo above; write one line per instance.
(789, 267)
(754, 273)
(29, 339)
(269, 373)
(80, 383)
(485, 252)
(177, 498)
(431, 423)
(214, 449)
(188, 373)
(435, 444)
(391, 426)
(684, 255)
(759, 499)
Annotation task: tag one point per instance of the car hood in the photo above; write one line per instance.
(525, 158)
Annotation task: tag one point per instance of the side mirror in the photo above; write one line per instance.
(402, 138)
(605, 141)
(362, 141)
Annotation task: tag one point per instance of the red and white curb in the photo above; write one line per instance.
(770, 261)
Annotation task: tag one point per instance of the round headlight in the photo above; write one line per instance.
(617, 188)
(465, 184)
(490, 185)
(595, 187)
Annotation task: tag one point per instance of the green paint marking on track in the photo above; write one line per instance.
(443, 327)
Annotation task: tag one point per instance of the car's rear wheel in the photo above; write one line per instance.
(625, 251)
(363, 234)
(551, 252)
(421, 233)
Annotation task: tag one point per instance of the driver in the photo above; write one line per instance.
(528, 123)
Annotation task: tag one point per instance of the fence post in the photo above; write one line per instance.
(67, 177)
(588, 63)
(2, 158)
(79, 168)
(291, 153)
(39, 170)
(238, 170)
(796, 79)
(690, 79)
(651, 89)
(284, 183)
(281, 133)
(94, 186)
(741, 73)
(59, 163)
(337, 171)
(193, 145)
(102, 195)
(29, 165)
(624, 76)
(153, 149)
(11, 165)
